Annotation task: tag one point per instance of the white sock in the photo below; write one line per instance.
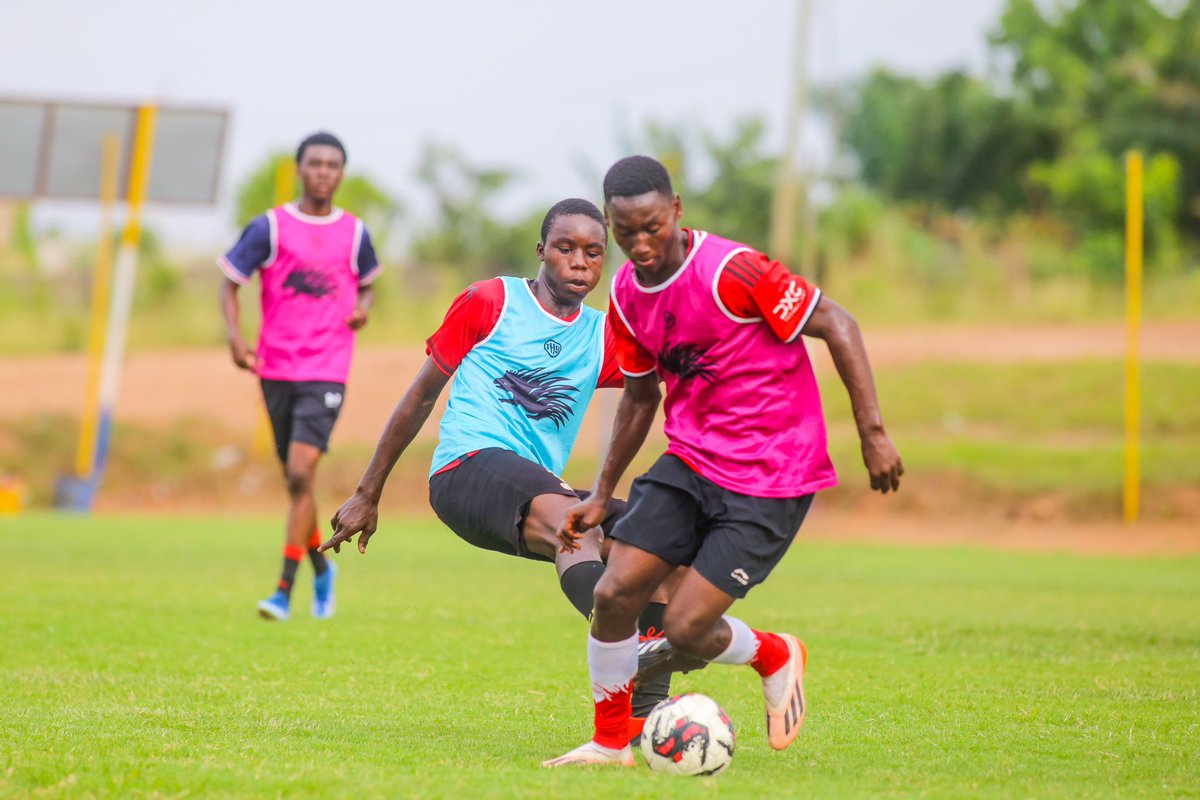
(612, 665)
(743, 644)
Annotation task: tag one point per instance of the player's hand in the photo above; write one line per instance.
(883, 462)
(243, 356)
(581, 518)
(358, 516)
(357, 318)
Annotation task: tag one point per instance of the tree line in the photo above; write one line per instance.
(1070, 89)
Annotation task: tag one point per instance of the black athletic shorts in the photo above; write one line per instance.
(733, 540)
(486, 498)
(302, 411)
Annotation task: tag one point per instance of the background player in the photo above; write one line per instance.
(720, 324)
(527, 356)
(315, 265)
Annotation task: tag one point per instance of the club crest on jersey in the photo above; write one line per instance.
(540, 393)
(668, 320)
(553, 348)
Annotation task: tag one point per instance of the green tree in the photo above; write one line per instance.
(950, 142)
(467, 235)
(1112, 75)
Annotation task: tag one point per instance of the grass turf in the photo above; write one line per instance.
(132, 665)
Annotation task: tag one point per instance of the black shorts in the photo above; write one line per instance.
(733, 540)
(486, 498)
(302, 411)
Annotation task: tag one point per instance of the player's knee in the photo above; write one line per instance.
(613, 600)
(298, 482)
(686, 632)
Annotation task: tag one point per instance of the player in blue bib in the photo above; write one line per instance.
(527, 356)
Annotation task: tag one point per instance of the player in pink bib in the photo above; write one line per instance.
(719, 324)
(315, 264)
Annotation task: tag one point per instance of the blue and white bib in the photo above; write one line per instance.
(526, 386)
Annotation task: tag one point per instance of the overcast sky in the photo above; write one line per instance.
(536, 86)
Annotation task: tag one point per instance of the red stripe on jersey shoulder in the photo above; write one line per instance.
(470, 319)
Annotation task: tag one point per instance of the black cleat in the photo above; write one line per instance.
(657, 657)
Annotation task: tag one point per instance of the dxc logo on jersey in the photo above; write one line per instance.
(790, 301)
(553, 348)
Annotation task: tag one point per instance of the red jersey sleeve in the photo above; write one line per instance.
(632, 359)
(751, 286)
(611, 376)
(471, 318)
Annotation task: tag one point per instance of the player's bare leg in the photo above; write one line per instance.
(632, 577)
(299, 473)
(696, 624)
(578, 573)
(578, 570)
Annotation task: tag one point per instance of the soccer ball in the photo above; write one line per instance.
(688, 735)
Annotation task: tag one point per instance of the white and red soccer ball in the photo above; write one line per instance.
(688, 735)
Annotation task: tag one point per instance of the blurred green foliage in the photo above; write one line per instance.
(468, 235)
(1074, 86)
(997, 197)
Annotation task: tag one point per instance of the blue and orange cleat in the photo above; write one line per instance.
(275, 607)
(323, 599)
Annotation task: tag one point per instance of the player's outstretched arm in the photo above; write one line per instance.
(242, 355)
(841, 333)
(635, 415)
(360, 514)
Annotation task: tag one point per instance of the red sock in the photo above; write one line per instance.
(636, 724)
(291, 560)
(772, 653)
(314, 541)
(612, 718)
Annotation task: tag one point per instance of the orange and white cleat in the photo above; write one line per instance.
(784, 694)
(591, 754)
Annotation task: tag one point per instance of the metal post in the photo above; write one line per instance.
(1133, 308)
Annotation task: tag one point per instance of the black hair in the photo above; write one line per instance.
(321, 137)
(572, 205)
(636, 175)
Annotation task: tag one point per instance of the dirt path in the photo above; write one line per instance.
(162, 387)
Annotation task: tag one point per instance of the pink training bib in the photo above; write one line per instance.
(308, 291)
(742, 406)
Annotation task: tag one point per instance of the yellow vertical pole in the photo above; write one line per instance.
(1133, 312)
(285, 181)
(124, 278)
(110, 158)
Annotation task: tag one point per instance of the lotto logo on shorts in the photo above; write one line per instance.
(333, 399)
(740, 576)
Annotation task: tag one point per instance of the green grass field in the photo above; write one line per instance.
(133, 665)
